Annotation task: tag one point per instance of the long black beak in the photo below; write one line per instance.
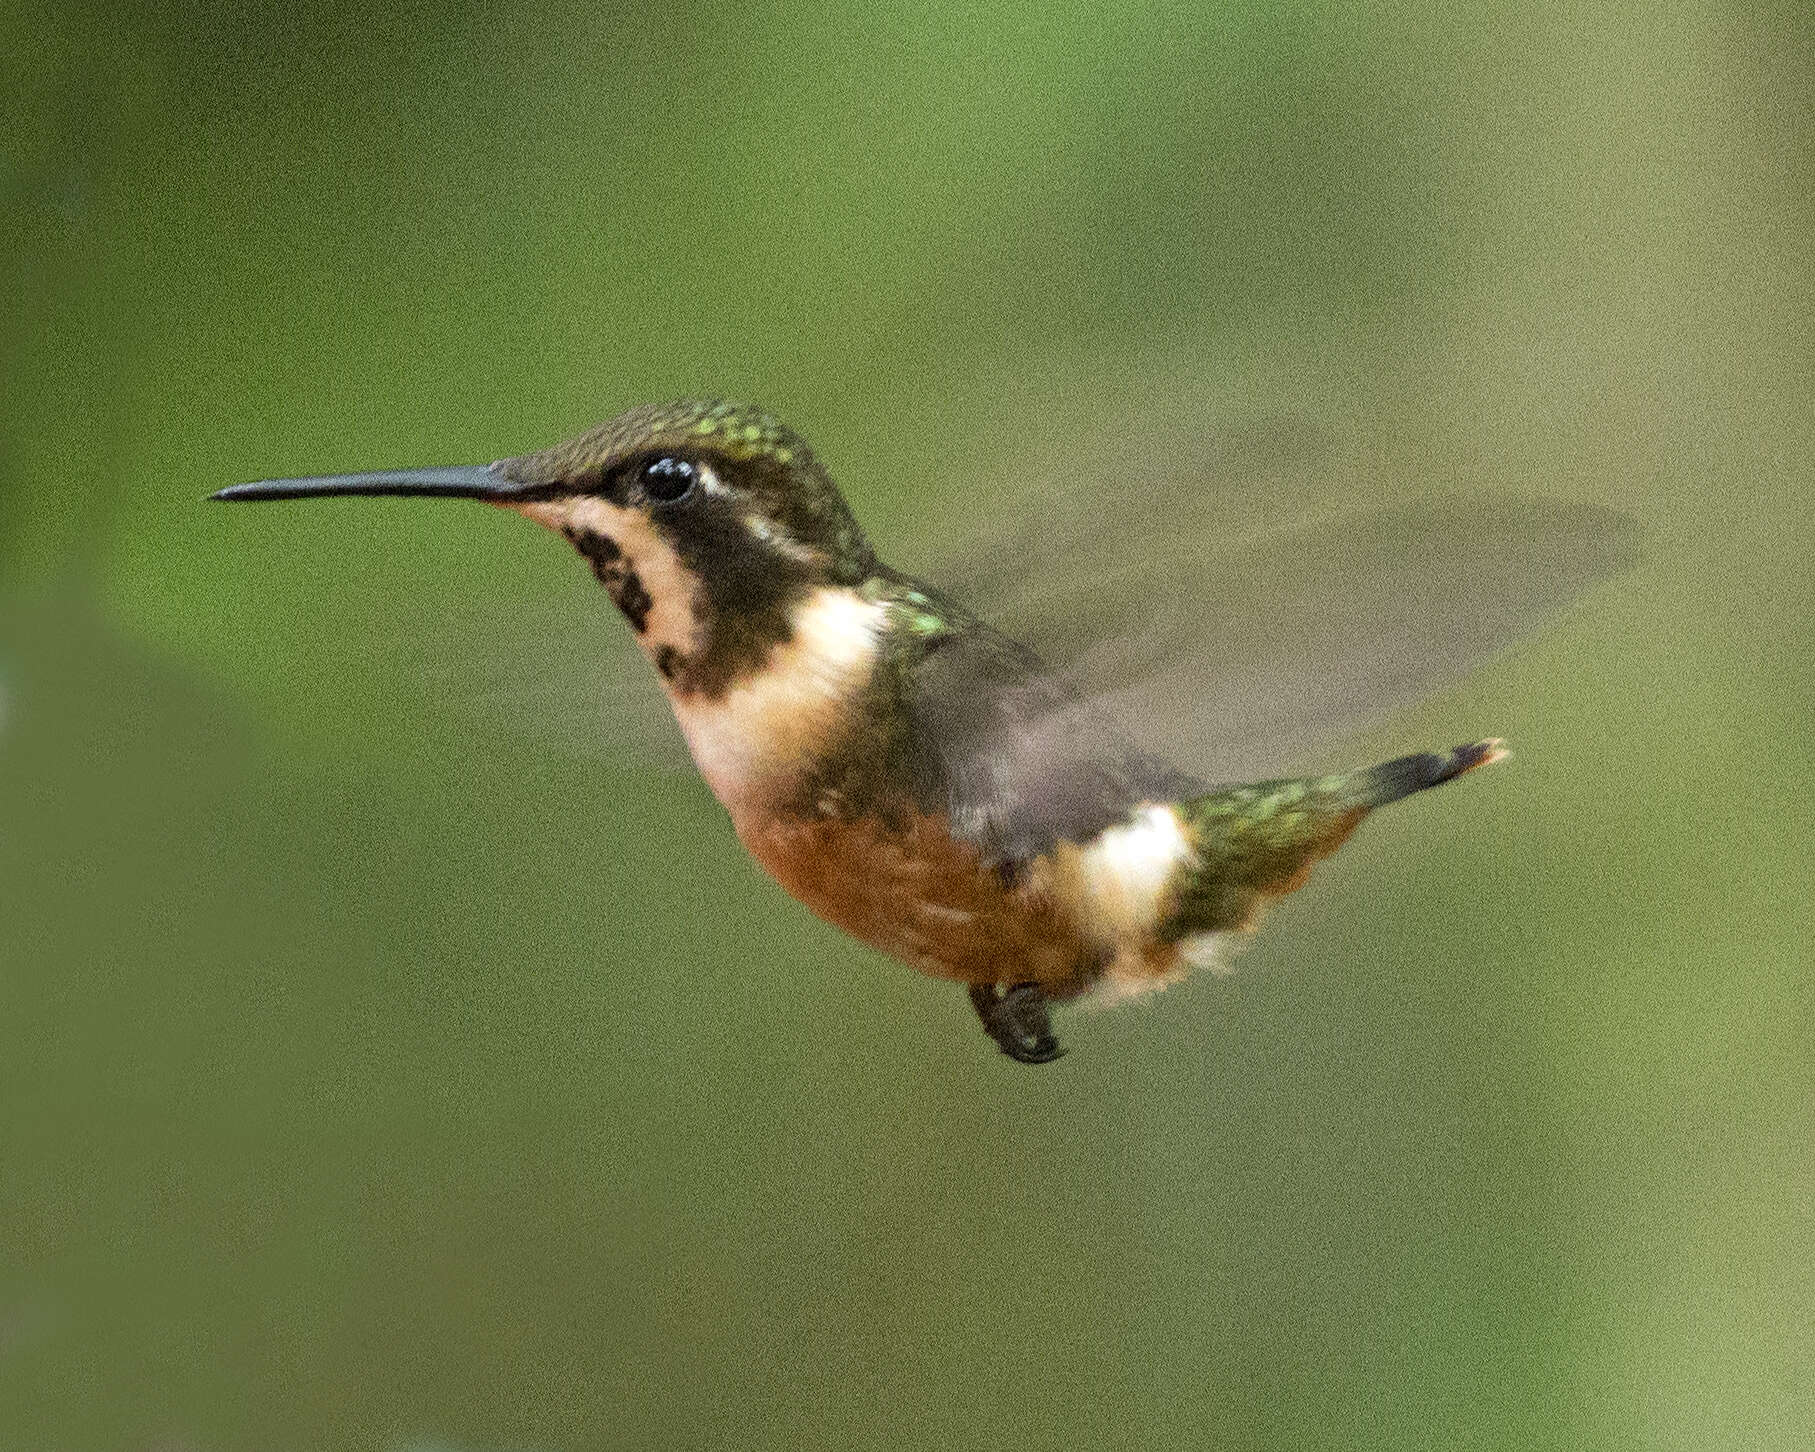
(457, 481)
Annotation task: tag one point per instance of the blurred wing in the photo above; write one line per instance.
(1242, 663)
(1232, 647)
(556, 672)
(1012, 758)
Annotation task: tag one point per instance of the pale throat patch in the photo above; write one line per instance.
(669, 588)
(751, 741)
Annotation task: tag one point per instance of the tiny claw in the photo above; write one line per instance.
(1019, 1018)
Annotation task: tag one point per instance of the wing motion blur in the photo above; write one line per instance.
(550, 669)
(1229, 641)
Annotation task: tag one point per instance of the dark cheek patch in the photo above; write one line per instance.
(613, 571)
(668, 661)
(629, 596)
(599, 550)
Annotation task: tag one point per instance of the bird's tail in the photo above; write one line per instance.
(1256, 843)
(1392, 780)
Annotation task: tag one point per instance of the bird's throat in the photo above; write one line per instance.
(753, 741)
(646, 579)
(758, 694)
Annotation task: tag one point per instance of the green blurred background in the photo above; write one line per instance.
(377, 1077)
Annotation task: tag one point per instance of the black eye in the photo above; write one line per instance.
(667, 479)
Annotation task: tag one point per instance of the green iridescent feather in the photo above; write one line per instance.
(1256, 842)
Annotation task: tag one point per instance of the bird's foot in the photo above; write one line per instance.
(1019, 1018)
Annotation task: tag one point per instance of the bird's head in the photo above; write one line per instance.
(708, 522)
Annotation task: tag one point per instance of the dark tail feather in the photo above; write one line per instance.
(1392, 780)
(1256, 843)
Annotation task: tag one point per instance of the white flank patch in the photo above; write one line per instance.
(1125, 871)
(752, 736)
(670, 584)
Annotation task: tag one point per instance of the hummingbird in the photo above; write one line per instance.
(909, 772)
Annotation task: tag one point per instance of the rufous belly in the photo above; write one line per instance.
(908, 888)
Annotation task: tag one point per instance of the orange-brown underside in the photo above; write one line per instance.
(912, 891)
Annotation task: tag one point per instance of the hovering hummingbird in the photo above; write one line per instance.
(910, 773)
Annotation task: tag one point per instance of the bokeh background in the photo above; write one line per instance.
(379, 1073)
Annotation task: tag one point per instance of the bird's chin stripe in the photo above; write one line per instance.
(646, 578)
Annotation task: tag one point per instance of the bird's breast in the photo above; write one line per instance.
(753, 740)
(905, 886)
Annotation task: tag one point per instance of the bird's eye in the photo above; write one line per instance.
(667, 479)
